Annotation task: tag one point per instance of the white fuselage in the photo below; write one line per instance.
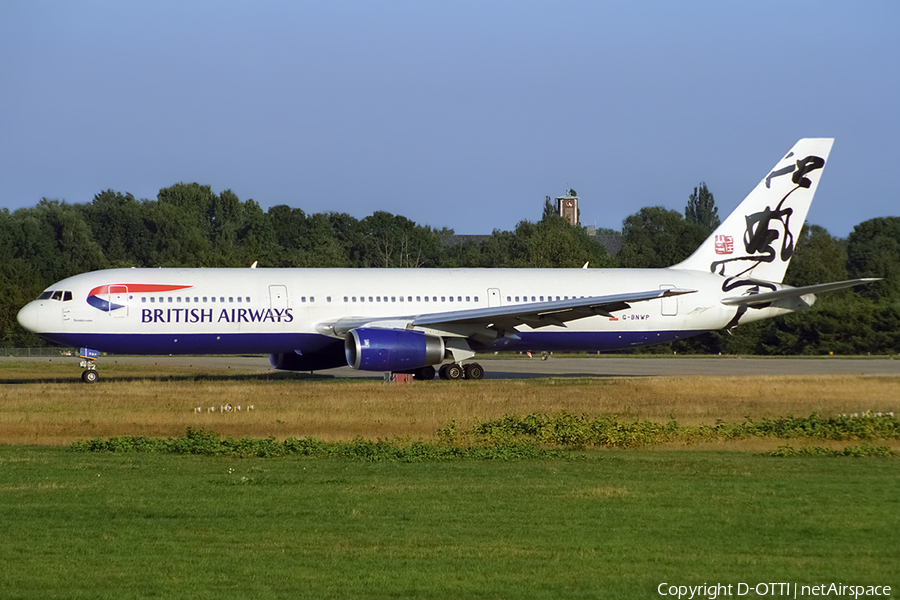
(190, 311)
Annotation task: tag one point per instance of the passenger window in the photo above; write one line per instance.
(451, 298)
(204, 299)
(426, 298)
(230, 299)
(311, 299)
(443, 298)
(418, 298)
(476, 298)
(171, 299)
(152, 299)
(212, 298)
(144, 299)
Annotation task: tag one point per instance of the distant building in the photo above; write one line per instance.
(567, 207)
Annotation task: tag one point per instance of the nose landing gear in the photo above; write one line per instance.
(88, 356)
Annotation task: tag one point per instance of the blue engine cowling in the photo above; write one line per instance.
(392, 349)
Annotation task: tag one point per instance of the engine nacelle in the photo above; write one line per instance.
(392, 349)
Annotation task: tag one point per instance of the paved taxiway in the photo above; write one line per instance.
(525, 368)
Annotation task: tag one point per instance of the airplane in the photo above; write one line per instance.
(416, 320)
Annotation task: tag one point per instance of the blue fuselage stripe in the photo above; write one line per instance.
(268, 343)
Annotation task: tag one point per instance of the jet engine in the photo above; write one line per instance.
(392, 349)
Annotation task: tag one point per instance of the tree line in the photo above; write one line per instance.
(188, 225)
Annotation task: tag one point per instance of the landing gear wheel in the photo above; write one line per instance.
(455, 371)
(474, 371)
(424, 374)
(90, 376)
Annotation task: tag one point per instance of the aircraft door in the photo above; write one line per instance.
(278, 298)
(493, 295)
(118, 296)
(669, 305)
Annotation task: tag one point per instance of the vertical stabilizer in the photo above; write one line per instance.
(757, 240)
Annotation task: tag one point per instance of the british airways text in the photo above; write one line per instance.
(206, 315)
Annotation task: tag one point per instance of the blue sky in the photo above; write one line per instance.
(454, 113)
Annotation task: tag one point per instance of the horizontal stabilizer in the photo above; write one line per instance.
(792, 292)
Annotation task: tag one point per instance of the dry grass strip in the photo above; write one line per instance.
(60, 410)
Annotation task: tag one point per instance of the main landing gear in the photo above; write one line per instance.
(457, 371)
(449, 371)
(88, 363)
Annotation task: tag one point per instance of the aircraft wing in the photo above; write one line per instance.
(792, 292)
(503, 319)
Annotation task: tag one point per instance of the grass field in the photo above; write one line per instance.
(593, 524)
(611, 524)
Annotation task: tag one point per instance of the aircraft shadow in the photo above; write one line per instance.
(247, 377)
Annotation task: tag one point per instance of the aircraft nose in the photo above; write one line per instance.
(29, 317)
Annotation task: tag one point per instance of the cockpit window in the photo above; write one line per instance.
(56, 295)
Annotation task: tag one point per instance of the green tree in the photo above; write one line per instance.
(549, 243)
(656, 237)
(549, 209)
(818, 258)
(873, 250)
(701, 209)
(118, 225)
(396, 242)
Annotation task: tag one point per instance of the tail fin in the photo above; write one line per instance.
(757, 240)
